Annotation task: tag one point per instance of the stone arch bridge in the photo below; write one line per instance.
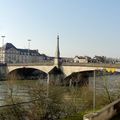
(66, 68)
(60, 69)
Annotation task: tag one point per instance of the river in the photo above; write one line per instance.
(111, 82)
(21, 87)
(18, 88)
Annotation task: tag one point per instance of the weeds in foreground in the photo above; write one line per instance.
(51, 103)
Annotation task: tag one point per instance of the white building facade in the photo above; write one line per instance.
(10, 54)
(80, 59)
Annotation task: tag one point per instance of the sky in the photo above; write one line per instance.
(85, 27)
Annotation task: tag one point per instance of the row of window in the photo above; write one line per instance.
(21, 53)
(21, 59)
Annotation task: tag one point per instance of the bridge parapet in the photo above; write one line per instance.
(32, 64)
(103, 65)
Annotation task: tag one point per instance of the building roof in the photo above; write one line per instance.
(31, 52)
(8, 46)
(79, 57)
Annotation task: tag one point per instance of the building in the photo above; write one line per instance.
(10, 54)
(80, 59)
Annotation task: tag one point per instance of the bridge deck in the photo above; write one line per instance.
(68, 64)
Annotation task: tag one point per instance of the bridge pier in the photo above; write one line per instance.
(3, 71)
(55, 76)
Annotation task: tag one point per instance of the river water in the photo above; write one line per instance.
(17, 88)
(21, 87)
(111, 82)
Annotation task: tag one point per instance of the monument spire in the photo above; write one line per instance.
(57, 50)
(57, 53)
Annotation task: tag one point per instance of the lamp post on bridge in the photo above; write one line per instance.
(2, 48)
(29, 50)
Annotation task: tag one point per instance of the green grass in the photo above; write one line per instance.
(77, 116)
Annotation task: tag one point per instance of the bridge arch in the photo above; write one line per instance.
(68, 70)
(27, 73)
(80, 78)
(43, 68)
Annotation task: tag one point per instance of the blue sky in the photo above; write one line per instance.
(86, 27)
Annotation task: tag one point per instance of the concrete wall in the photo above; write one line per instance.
(106, 113)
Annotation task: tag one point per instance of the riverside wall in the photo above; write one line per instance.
(106, 113)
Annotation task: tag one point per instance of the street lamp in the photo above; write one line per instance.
(29, 50)
(94, 91)
(2, 48)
